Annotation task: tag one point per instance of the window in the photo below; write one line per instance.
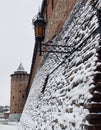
(20, 91)
(23, 96)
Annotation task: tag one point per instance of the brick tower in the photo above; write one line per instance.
(19, 82)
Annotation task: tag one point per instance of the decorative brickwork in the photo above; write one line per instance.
(94, 106)
(94, 118)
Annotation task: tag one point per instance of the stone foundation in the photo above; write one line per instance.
(14, 117)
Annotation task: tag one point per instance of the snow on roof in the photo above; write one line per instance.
(7, 112)
(20, 67)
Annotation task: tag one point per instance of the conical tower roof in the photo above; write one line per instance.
(20, 67)
(20, 70)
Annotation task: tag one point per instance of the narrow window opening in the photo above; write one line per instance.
(20, 91)
(52, 4)
(45, 83)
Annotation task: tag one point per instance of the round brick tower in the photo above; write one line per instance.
(18, 97)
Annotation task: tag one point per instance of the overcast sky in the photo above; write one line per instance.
(16, 40)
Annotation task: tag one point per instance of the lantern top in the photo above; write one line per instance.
(38, 20)
(39, 27)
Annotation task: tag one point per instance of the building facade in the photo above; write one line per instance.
(55, 13)
(19, 81)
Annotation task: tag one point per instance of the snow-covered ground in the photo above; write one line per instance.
(8, 127)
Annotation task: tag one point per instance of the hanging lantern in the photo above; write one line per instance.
(39, 25)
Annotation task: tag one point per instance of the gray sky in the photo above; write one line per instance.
(16, 40)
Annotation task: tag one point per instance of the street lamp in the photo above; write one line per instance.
(39, 27)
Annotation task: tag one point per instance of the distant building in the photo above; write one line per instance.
(6, 115)
(4, 112)
(19, 82)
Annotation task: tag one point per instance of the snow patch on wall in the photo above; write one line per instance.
(62, 103)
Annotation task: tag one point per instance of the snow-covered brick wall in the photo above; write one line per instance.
(60, 90)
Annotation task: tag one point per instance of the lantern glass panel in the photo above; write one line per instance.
(41, 30)
(36, 31)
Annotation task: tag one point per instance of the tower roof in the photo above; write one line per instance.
(20, 67)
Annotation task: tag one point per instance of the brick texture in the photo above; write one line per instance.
(61, 10)
(19, 82)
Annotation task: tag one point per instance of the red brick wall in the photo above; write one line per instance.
(55, 12)
(18, 92)
(57, 16)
